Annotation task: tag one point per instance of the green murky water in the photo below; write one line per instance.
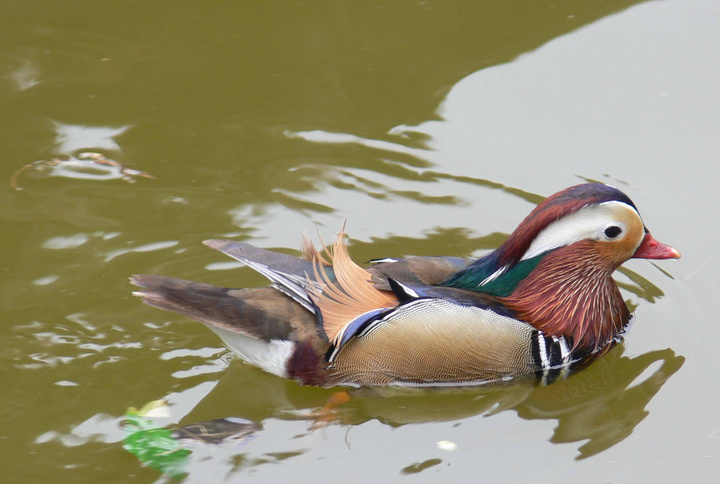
(433, 129)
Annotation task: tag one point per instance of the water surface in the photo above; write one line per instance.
(431, 128)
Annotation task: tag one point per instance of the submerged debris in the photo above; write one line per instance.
(168, 448)
(218, 431)
(85, 165)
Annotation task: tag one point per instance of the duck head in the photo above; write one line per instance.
(555, 270)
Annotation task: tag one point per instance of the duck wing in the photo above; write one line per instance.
(425, 271)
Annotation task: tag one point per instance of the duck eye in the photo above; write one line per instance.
(612, 232)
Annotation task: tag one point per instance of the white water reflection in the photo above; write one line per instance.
(25, 76)
(166, 244)
(369, 207)
(70, 138)
(320, 136)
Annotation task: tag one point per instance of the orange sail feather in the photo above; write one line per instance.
(349, 296)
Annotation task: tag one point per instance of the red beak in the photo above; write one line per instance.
(652, 249)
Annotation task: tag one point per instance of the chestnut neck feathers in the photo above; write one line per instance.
(572, 293)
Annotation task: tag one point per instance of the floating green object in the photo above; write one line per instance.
(153, 445)
(164, 449)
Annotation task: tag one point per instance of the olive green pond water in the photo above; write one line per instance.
(132, 131)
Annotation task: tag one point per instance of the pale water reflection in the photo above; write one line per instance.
(26, 75)
(75, 137)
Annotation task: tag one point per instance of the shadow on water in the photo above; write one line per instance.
(599, 406)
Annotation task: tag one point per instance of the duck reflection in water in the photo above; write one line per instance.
(599, 406)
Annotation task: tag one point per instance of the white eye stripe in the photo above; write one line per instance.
(588, 223)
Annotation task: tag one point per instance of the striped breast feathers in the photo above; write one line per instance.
(436, 342)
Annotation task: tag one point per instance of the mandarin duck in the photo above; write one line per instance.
(540, 304)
